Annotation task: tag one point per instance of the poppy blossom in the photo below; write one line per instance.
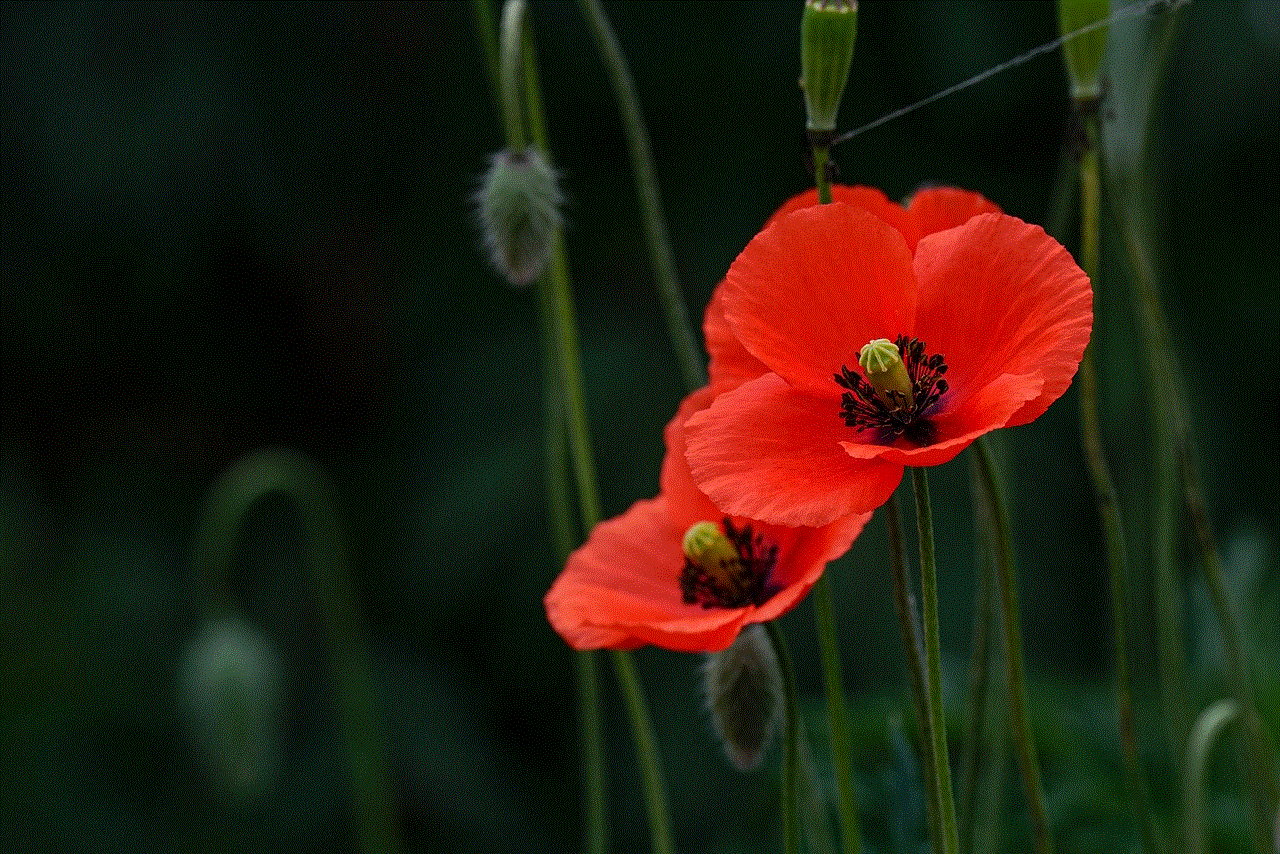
(878, 353)
(676, 572)
(930, 209)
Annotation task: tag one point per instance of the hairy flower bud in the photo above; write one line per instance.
(744, 689)
(518, 205)
(827, 32)
(1084, 52)
(232, 688)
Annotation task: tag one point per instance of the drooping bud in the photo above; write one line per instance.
(232, 690)
(518, 204)
(1083, 53)
(744, 688)
(827, 32)
(882, 363)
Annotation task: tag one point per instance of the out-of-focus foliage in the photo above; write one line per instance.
(232, 225)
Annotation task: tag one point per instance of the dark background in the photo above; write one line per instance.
(229, 226)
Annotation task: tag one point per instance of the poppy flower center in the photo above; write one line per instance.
(728, 569)
(899, 392)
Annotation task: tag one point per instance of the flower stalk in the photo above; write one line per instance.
(1015, 671)
(790, 742)
(519, 65)
(904, 603)
(837, 716)
(979, 665)
(238, 491)
(933, 661)
(1109, 506)
(1171, 408)
(655, 226)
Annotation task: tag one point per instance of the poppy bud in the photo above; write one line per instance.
(1084, 52)
(882, 363)
(827, 32)
(519, 208)
(232, 689)
(743, 686)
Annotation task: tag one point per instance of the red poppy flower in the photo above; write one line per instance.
(993, 303)
(631, 583)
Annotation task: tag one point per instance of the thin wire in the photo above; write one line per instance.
(1134, 11)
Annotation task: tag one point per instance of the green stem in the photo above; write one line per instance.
(821, 157)
(979, 671)
(487, 36)
(511, 73)
(904, 604)
(564, 325)
(1172, 407)
(586, 664)
(655, 228)
(837, 715)
(1024, 740)
(1203, 735)
(1109, 512)
(296, 477)
(655, 790)
(933, 656)
(790, 747)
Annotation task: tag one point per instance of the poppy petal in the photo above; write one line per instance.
(686, 503)
(870, 199)
(999, 296)
(622, 586)
(936, 209)
(816, 285)
(767, 451)
(730, 362)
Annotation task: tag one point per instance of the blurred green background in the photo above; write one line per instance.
(228, 226)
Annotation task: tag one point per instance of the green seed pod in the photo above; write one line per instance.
(885, 371)
(233, 693)
(827, 32)
(744, 693)
(1084, 52)
(519, 210)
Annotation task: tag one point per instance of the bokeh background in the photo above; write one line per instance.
(229, 226)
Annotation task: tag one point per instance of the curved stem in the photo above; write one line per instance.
(1109, 514)
(1203, 735)
(790, 745)
(1172, 406)
(240, 488)
(904, 604)
(655, 227)
(1024, 739)
(1171, 403)
(837, 715)
(655, 790)
(933, 656)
